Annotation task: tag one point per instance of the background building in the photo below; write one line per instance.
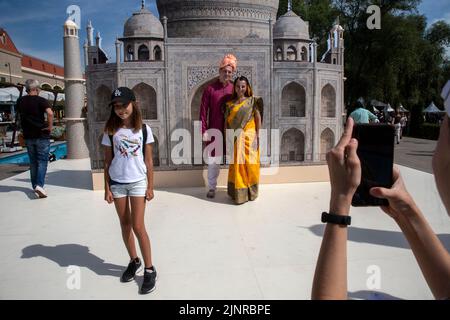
(16, 67)
(169, 63)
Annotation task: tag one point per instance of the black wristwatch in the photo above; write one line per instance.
(336, 219)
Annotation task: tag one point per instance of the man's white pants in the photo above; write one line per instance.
(213, 171)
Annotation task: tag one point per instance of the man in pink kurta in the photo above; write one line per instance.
(211, 115)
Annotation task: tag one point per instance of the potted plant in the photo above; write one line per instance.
(58, 133)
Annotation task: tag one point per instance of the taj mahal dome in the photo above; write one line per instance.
(168, 62)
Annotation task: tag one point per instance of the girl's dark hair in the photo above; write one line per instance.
(114, 122)
(248, 93)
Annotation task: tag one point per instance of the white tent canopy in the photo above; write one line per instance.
(432, 109)
(401, 108)
(388, 108)
(11, 94)
(376, 103)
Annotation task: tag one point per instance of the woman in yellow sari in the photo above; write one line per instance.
(243, 116)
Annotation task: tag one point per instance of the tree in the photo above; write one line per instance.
(403, 62)
(319, 13)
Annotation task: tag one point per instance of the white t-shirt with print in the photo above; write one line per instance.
(128, 164)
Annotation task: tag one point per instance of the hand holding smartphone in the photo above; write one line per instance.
(376, 153)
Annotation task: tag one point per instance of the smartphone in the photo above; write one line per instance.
(376, 153)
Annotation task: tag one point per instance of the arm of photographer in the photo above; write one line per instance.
(330, 279)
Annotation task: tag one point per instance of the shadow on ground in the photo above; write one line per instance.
(28, 191)
(75, 179)
(73, 255)
(424, 154)
(380, 237)
(10, 170)
(200, 193)
(371, 295)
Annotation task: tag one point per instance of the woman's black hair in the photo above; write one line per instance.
(249, 92)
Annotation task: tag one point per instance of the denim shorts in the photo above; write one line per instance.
(134, 189)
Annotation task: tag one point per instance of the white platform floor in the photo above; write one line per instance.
(202, 249)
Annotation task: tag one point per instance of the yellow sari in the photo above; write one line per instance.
(243, 172)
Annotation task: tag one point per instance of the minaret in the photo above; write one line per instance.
(336, 43)
(98, 40)
(90, 34)
(86, 53)
(117, 43)
(76, 124)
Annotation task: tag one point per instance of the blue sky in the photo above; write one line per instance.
(37, 27)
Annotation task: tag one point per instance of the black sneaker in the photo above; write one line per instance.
(133, 267)
(149, 284)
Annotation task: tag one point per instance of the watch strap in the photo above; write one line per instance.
(336, 219)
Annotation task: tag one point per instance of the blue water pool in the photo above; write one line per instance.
(59, 150)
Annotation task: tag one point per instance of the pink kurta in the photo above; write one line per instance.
(211, 110)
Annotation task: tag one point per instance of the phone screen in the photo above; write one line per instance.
(376, 153)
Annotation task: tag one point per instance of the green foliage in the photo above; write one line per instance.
(57, 132)
(403, 62)
(439, 34)
(319, 13)
(427, 131)
(415, 126)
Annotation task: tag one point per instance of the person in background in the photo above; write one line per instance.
(403, 122)
(243, 115)
(211, 115)
(362, 115)
(32, 110)
(398, 129)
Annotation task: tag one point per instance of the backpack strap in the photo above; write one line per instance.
(112, 144)
(144, 140)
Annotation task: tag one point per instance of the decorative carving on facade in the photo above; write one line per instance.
(199, 74)
(324, 82)
(331, 126)
(133, 82)
(192, 12)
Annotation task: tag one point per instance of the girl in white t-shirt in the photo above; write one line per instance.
(129, 179)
